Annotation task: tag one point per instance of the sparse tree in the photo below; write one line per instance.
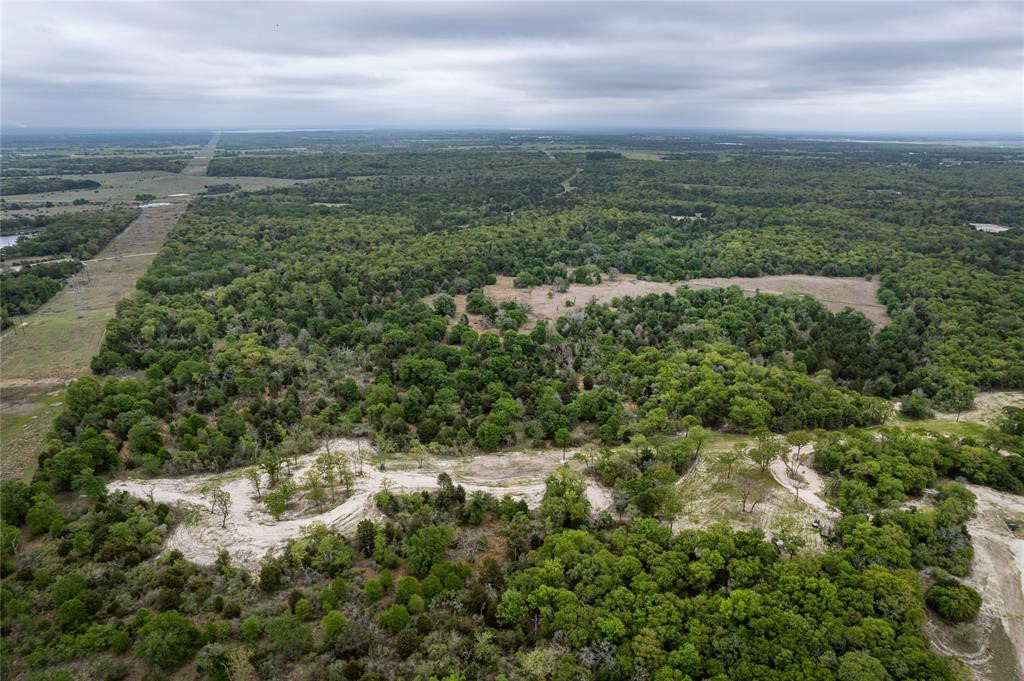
(220, 502)
(729, 457)
(563, 439)
(768, 449)
(314, 486)
(798, 439)
(255, 476)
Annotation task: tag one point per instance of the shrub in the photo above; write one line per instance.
(251, 629)
(373, 590)
(395, 618)
(333, 624)
(407, 586)
(167, 640)
(954, 602)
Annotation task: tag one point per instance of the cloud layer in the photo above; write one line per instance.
(856, 66)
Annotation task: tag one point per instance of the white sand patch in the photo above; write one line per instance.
(808, 487)
(251, 533)
(156, 204)
(997, 571)
(987, 227)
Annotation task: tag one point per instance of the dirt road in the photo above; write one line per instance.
(810, 490)
(251, 533)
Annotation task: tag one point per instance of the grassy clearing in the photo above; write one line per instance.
(124, 186)
(58, 340)
(25, 419)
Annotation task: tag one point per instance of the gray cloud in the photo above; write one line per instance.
(910, 66)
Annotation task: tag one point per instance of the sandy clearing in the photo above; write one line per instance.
(997, 571)
(712, 495)
(251, 533)
(989, 227)
(549, 304)
(810, 490)
(987, 406)
(835, 293)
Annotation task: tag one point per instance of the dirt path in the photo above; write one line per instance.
(198, 164)
(251, 533)
(55, 344)
(810, 490)
(997, 572)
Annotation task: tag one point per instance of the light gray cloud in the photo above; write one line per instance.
(913, 66)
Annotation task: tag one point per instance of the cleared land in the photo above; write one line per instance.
(250, 532)
(996, 651)
(835, 293)
(744, 498)
(58, 340)
(125, 186)
(55, 344)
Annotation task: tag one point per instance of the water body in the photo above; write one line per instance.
(12, 239)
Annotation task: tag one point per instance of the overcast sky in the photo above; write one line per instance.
(836, 66)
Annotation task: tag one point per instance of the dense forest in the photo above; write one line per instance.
(28, 166)
(31, 184)
(273, 321)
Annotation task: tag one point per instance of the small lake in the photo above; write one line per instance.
(12, 239)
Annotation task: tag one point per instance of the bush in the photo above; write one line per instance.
(167, 640)
(291, 637)
(395, 618)
(954, 602)
(333, 624)
(251, 629)
(407, 586)
(373, 590)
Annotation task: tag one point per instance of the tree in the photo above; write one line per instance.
(954, 602)
(395, 618)
(565, 502)
(729, 457)
(797, 439)
(563, 439)
(277, 501)
(385, 447)
(255, 477)
(220, 502)
(956, 396)
(444, 305)
(167, 640)
(366, 533)
(767, 449)
(315, 487)
(271, 465)
(426, 546)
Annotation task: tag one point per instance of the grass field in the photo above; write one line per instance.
(124, 186)
(25, 419)
(55, 344)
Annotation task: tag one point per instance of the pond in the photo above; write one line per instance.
(11, 239)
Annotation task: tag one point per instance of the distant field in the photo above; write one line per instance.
(835, 293)
(125, 186)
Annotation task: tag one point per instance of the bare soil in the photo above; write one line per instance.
(835, 293)
(987, 407)
(997, 572)
(250, 533)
